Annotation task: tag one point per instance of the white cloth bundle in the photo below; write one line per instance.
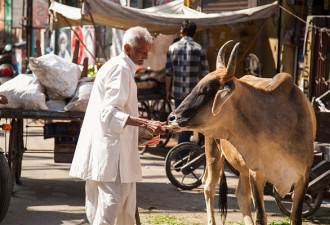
(56, 74)
(24, 92)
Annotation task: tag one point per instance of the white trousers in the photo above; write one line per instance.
(110, 203)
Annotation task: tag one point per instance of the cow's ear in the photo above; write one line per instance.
(220, 98)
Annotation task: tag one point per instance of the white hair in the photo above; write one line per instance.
(63, 37)
(135, 33)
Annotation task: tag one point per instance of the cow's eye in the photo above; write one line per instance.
(209, 88)
(204, 90)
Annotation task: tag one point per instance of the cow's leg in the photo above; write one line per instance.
(243, 198)
(257, 183)
(243, 191)
(213, 164)
(299, 195)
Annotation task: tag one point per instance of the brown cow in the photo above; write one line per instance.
(269, 121)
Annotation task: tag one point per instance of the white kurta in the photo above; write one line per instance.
(105, 144)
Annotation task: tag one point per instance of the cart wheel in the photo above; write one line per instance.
(161, 109)
(312, 201)
(5, 186)
(12, 153)
(16, 150)
(18, 170)
(21, 150)
(180, 175)
(142, 149)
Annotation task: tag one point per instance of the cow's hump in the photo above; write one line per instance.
(280, 80)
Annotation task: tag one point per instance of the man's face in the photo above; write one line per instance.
(138, 53)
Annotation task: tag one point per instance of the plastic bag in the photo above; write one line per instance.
(56, 74)
(24, 92)
(147, 138)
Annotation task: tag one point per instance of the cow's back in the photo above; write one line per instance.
(281, 81)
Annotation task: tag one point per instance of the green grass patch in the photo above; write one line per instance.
(235, 223)
(165, 219)
(273, 222)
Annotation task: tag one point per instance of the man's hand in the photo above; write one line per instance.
(155, 127)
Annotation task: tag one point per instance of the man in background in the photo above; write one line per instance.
(185, 60)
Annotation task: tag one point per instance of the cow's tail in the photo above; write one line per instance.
(223, 189)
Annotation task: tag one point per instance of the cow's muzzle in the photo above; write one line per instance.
(171, 119)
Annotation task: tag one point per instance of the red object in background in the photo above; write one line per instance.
(73, 42)
(6, 126)
(139, 68)
(6, 72)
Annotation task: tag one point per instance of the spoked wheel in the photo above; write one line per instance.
(16, 150)
(185, 165)
(21, 150)
(142, 149)
(5, 186)
(312, 201)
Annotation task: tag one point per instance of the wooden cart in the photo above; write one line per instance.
(16, 145)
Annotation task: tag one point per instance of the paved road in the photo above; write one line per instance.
(48, 196)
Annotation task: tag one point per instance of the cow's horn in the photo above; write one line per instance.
(232, 61)
(221, 54)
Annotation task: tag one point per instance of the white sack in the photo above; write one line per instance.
(53, 96)
(56, 74)
(79, 101)
(24, 92)
(55, 105)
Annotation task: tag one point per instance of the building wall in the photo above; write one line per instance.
(213, 39)
(214, 6)
(257, 37)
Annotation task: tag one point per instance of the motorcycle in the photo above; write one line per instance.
(7, 71)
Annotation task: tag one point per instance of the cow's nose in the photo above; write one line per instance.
(171, 117)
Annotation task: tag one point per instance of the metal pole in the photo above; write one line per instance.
(29, 29)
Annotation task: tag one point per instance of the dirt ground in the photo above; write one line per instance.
(49, 196)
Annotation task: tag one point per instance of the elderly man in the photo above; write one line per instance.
(107, 151)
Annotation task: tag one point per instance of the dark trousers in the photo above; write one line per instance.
(184, 136)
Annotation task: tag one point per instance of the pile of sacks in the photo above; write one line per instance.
(55, 85)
